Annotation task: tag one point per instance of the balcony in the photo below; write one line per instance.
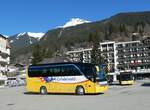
(4, 55)
(4, 50)
(3, 60)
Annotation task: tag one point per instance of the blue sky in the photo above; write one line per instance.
(42, 15)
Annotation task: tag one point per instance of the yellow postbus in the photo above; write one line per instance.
(78, 78)
(126, 78)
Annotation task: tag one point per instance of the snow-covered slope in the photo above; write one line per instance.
(6, 36)
(74, 22)
(36, 35)
(25, 39)
(31, 34)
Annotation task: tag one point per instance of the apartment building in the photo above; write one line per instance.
(84, 55)
(109, 53)
(120, 56)
(80, 55)
(133, 56)
(4, 58)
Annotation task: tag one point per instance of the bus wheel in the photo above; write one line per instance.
(80, 90)
(43, 90)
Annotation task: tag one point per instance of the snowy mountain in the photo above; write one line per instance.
(6, 36)
(27, 38)
(36, 35)
(74, 22)
(31, 34)
(24, 39)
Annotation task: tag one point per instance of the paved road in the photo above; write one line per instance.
(136, 97)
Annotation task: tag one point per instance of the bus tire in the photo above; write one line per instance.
(43, 90)
(80, 90)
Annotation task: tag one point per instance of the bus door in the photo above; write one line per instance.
(90, 84)
(100, 76)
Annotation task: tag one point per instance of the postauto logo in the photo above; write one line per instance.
(55, 79)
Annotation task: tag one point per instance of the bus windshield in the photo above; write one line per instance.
(93, 71)
(126, 77)
(100, 71)
(87, 69)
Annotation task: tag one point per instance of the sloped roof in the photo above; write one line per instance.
(2, 36)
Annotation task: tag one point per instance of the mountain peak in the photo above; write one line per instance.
(74, 22)
(21, 34)
(38, 35)
(31, 34)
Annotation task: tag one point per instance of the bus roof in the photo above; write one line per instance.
(50, 64)
(129, 72)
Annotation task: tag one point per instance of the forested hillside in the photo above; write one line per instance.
(119, 27)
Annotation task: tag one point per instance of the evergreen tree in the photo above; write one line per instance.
(81, 57)
(110, 29)
(122, 28)
(134, 38)
(96, 57)
(37, 55)
(106, 36)
(139, 27)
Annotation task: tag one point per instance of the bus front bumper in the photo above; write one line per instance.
(127, 82)
(101, 88)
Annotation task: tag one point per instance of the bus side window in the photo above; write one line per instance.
(56, 71)
(50, 72)
(71, 71)
(34, 72)
(44, 72)
(62, 71)
(87, 71)
(75, 71)
(66, 71)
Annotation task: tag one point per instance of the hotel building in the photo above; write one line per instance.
(4, 58)
(120, 56)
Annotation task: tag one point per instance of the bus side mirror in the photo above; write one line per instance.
(92, 79)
